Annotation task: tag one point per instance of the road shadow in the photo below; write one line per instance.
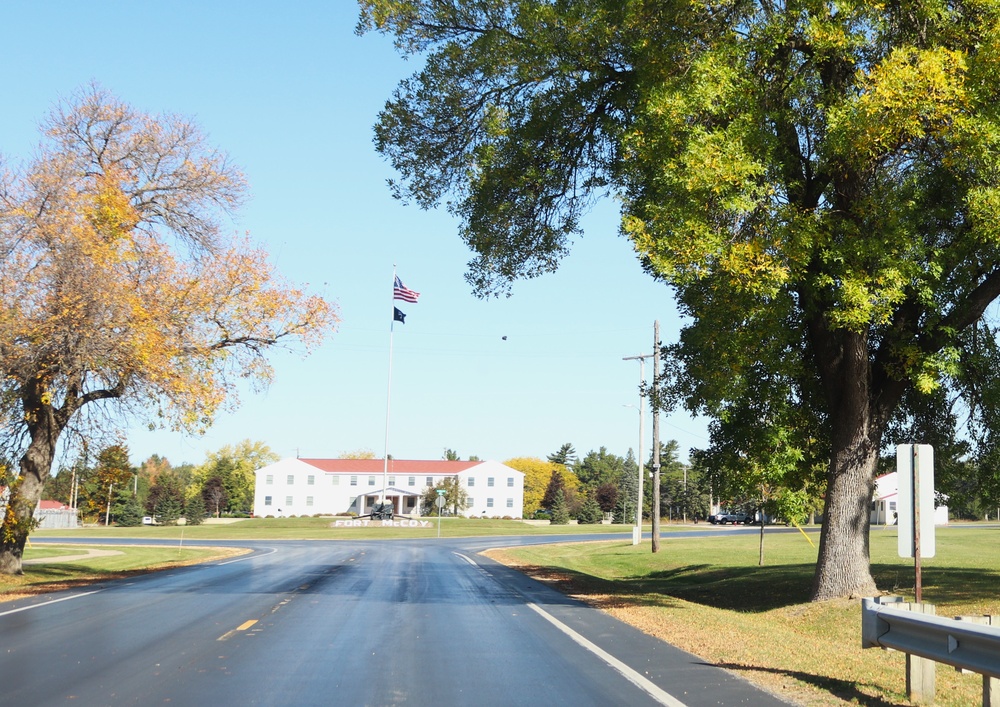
(846, 690)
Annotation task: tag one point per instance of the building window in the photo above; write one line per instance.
(489, 503)
(288, 500)
(309, 500)
(269, 479)
(471, 481)
(354, 481)
(510, 503)
(510, 481)
(392, 480)
(291, 480)
(430, 480)
(489, 481)
(311, 480)
(267, 500)
(336, 480)
(470, 503)
(412, 481)
(371, 480)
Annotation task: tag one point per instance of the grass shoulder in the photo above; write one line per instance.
(50, 568)
(709, 596)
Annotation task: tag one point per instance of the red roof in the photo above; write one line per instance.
(52, 506)
(396, 466)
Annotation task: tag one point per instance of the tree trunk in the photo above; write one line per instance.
(26, 492)
(843, 568)
(859, 410)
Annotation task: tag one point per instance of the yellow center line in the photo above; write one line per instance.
(242, 627)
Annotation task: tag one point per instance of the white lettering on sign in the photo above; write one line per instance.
(367, 522)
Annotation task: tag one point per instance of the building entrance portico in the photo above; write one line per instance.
(405, 503)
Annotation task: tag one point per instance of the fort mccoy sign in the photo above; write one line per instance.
(369, 523)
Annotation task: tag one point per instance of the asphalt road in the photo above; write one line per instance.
(423, 622)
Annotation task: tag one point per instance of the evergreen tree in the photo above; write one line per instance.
(194, 510)
(560, 514)
(166, 499)
(628, 491)
(556, 487)
(590, 512)
(128, 513)
(168, 509)
(565, 456)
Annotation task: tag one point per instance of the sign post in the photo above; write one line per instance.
(439, 502)
(915, 505)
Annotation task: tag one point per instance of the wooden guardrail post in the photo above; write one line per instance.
(920, 672)
(991, 685)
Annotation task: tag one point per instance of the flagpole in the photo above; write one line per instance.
(388, 396)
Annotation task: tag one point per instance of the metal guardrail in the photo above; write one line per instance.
(961, 644)
(970, 644)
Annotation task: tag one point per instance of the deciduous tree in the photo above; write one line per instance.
(234, 465)
(537, 473)
(213, 493)
(818, 182)
(120, 292)
(455, 497)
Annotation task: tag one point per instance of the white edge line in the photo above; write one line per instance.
(51, 601)
(634, 677)
(247, 557)
(658, 694)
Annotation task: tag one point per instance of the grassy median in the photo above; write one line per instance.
(710, 597)
(50, 568)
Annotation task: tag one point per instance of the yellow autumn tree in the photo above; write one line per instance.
(537, 474)
(120, 292)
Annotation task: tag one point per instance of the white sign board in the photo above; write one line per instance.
(915, 496)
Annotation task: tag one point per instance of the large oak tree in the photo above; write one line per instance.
(120, 292)
(817, 181)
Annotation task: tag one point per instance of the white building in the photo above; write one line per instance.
(883, 508)
(305, 487)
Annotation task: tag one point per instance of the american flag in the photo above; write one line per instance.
(400, 291)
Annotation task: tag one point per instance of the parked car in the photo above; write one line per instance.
(729, 517)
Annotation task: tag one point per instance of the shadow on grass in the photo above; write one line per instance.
(941, 585)
(846, 690)
(759, 589)
(742, 589)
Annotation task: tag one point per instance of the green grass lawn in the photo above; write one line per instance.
(126, 561)
(710, 597)
(321, 529)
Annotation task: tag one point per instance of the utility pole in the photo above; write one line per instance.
(637, 530)
(656, 436)
(107, 514)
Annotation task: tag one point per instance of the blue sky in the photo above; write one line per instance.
(291, 93)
